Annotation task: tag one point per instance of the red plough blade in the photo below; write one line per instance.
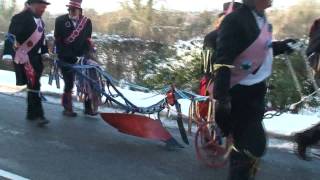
(137, 125)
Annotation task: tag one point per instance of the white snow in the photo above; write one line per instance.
(285, 124)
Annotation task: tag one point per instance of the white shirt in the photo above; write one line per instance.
(265, 69)
(38, 21)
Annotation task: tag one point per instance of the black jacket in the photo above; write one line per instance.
(22, 26)
(236, 33)
(63, 28)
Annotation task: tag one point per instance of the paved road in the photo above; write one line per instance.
(87, 148)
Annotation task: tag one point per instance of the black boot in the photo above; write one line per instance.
(35, 110)
(34, 106)
(242, 167)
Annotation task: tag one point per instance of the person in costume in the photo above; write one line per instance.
(207, 56)
(244, 56)
(25, 46)
(311, 135)
(73, 39)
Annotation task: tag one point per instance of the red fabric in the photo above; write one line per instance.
(30, 73)
(137, 125)
(203, 86)
(203, 109)
(203, 106)
(171, 98)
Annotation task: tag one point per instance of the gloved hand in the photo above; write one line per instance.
(286, 45)
(222, 115)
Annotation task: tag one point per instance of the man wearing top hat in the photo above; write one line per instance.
(25, 47)
(73, 34)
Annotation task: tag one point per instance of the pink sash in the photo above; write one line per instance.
(75, 33)
(21, 56)
(253, 57)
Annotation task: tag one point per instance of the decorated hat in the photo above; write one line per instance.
(75, 4)
(38, 1)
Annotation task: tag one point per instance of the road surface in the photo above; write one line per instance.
(87, 148)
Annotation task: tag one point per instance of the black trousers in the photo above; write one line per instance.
(34, 109)
(248, 107)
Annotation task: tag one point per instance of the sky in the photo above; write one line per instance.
(58, 6)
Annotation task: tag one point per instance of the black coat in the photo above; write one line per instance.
(63, 28)
(22, 26)
(237, 32)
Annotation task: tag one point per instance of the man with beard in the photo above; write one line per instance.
(73, 39)
(25, 47)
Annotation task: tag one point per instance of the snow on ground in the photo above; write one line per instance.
(285, 124)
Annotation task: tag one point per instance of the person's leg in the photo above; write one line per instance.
(87, 105)
(66, 101)
(242, 166)
(35, 109)
(91, 100)
(91, 105)
(248, 132)
(250, 144)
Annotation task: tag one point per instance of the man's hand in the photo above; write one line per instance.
(222, 115)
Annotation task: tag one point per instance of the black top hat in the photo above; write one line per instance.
(236, 5)
(38, 1)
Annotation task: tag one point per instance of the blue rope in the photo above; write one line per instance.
(127, 105)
